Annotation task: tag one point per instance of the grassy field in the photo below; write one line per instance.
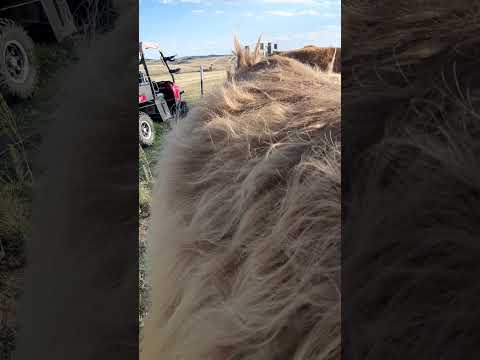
(215, 73)
(192, 64)
(147, 160)
(190, 83)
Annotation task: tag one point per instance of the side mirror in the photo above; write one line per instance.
(170, 58)
(155, 86)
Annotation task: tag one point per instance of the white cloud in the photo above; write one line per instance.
(282, 38)
(180, 1)
(198, 11)
(279, 13)
(306, 2)
(219, 12)
(309, 12)
(292, 13)
(193, 2)
(232, 2)
(325, 35)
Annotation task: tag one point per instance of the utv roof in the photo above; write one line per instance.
(144, 45)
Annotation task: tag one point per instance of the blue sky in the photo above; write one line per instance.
(203, 27)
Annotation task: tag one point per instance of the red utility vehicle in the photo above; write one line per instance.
(157, 100)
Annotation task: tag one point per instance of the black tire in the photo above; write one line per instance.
(146, 129)
(175, 116)
(18, 65)
(183, 109)
(178, 112)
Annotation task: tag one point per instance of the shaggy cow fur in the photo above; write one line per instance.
(245, 224)
(411, 129)
(327, 59)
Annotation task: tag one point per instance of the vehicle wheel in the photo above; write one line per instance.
(178, 111)
(175, 116)
(183, 109)
(18, 66)
(146, 129)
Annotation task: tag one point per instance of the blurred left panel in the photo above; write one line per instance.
(68, 179)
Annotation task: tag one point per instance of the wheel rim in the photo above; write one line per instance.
(16, 61)
(145, 130)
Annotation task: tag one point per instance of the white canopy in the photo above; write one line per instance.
(144, 45)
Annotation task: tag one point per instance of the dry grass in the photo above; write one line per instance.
(190, 83)
(21, 126)
(189, 78)
(192, 64)
(15, 183)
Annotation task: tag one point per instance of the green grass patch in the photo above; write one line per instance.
(22, 124)
(153, 152)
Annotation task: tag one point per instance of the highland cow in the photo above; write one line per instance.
(245, 226)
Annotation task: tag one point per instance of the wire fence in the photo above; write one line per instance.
(195, 80)
(200, 83)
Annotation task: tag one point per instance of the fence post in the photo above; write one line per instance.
(201, 79)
